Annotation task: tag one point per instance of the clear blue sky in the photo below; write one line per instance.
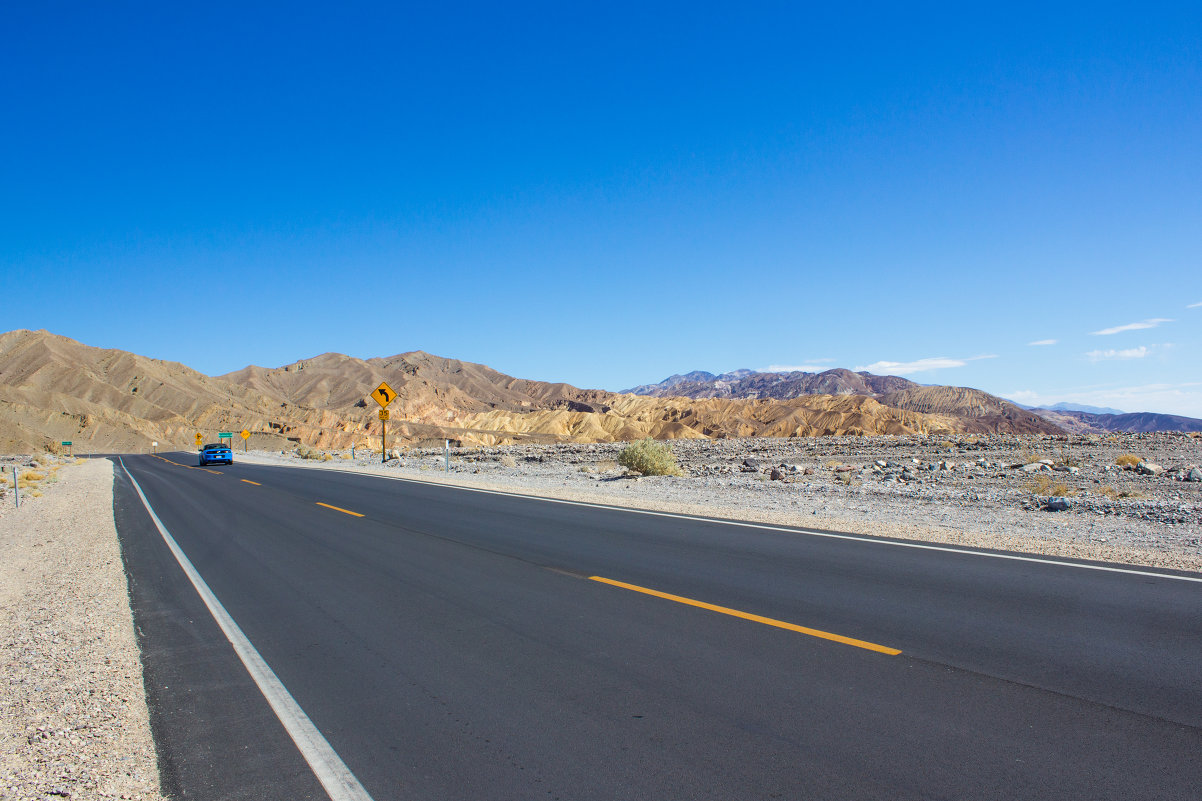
(609, 193)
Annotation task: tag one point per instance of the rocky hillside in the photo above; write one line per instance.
(1080, 422)
(977, 411)
(53, 389)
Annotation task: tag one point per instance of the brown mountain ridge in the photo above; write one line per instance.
(53, 388)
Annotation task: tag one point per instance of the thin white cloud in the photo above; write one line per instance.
(920, 365)
(906, 368)
(1044, 342)
(1152, 322)
(1143, 351)
(1108, 355)
(815, 367)
(1194, 305)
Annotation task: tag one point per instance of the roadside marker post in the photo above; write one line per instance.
(245, 436)
(16, 489)
(154, 447)
(68, 444)
(446, 455)
(383, 395)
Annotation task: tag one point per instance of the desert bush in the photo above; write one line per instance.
(1042, 485)
(1113, 494)
(649, 458)
(31, 475)
(305, 452)
(508, 461)
(325, 457)
(1128, 460)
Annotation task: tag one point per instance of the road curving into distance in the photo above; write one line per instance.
(450, 643)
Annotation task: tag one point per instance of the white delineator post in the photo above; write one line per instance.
(16, 489)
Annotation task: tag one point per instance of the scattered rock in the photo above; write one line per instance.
(1058, 505)
(1149, 469)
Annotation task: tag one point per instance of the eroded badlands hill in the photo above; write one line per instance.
(53, 388)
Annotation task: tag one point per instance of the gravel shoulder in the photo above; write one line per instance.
(970, 491)
(73, 716)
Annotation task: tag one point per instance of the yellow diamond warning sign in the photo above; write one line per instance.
(384, 394)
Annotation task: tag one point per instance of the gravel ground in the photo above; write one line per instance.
(986, 491)
(73, 718)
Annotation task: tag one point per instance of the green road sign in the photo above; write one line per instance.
(67, 442)
(224, 435)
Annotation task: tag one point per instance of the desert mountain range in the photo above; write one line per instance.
(53, 388)
(992, 412)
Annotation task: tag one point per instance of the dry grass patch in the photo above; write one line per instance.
(1042, 485)
(1115, 494)
(1128, 460)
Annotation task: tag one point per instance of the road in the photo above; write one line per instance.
(456, 644)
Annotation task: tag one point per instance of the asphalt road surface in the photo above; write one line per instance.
(440, 643)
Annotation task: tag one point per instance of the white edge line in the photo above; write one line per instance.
(339, 783)
(764, 526)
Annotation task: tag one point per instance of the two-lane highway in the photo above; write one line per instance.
(449, 643)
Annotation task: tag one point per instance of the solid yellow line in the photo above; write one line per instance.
(780, 624)
(248, 481)
(337, 509)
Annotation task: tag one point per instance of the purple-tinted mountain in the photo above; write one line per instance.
(1133, 422)
(748, 384)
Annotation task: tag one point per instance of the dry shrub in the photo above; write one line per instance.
(833, 463)
(305, 452)
(605, 465)
(31, 475)
(508, 461)
(35, 493)
(649, 458)
(1042, 485)
(1114, 494)
(1128, 460)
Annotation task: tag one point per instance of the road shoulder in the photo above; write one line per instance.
(73, 719)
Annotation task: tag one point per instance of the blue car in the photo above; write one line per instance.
(216, 454)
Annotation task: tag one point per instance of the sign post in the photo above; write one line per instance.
(67, 444)
(245, 436)
(154, 447)
(383, 395)
(199, 440)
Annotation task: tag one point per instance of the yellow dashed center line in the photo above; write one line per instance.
(188, 466)
(339, 509)
(248, 481)
(767, 621)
